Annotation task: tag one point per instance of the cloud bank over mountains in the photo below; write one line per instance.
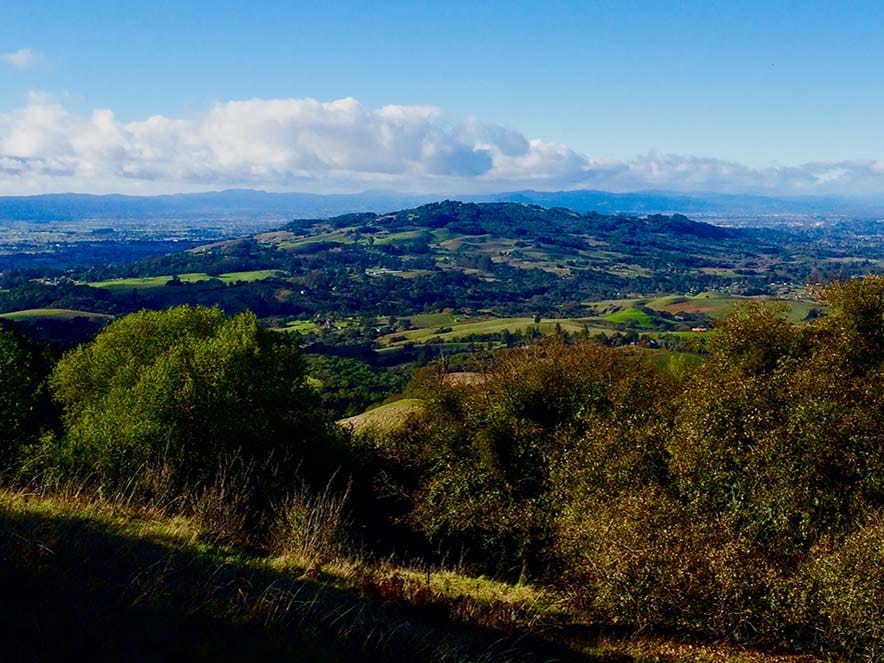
(305, 144)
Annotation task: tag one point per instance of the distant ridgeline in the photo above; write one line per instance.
(526, 221)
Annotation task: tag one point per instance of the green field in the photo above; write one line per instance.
(484, 326)
(713, 304)
(50, 314)
(152, 282)
(298, 327)
(633, 316)
(405, 237)
(435, 320)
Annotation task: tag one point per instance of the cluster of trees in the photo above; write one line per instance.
(349, 386)
(23, 396)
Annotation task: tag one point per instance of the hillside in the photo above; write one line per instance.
(389, 289)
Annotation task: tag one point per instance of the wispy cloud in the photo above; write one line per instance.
(342, 145)
(23, 58)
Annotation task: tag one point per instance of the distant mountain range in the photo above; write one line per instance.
(247, 203)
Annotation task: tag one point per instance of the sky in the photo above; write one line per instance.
(442, 97)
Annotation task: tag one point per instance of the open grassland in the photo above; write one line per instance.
(454, 330)
(298, 327)
(291, 242)
(153, 282)
(712, 304)
(51, 314)
(383, 417)
(632, 316)
(435, 320)
(405, 237)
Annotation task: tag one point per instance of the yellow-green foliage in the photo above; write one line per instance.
(843, 583)
(179, 393)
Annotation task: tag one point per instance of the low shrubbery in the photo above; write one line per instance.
(736, 501)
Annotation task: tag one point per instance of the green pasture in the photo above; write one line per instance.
(486, 326)
(50, 314)
(153, 282)
(634, 316)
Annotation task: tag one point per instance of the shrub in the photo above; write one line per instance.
(23, 403)
(183, 390)
(843, 590)
(482, 463)
(643, 560)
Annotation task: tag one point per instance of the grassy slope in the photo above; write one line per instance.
(89, 581)
(631, 315)
(484, 326)
(713, 304)
(383, 417)
(50, 313)
(152, 282)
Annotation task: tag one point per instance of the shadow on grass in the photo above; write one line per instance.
(75, 589)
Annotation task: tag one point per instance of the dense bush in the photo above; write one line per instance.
(843, 585)
(162, 401)
(482, 464)
(24, 407)
(737, 499)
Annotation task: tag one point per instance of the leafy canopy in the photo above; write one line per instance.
(184, 389)
(22, 390)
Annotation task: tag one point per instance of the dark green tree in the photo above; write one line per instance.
(24, 409)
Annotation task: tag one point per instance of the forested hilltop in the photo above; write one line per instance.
(504, 257)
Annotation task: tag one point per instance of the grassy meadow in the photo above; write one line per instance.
(154, 282)
(35, 314)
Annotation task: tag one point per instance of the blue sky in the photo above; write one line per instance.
(750, 96)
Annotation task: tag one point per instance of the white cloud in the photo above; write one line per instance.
(23, 58)
(305, 144)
